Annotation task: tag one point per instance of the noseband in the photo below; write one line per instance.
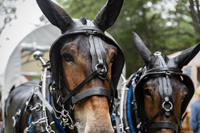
(99, 69)
(165, 91)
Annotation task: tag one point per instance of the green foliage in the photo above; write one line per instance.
(162, 29)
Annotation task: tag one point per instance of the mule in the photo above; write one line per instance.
(85, 65)
(161, 92)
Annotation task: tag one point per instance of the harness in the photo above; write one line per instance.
(67, 100)
(165, 91)
(131, 100)
(99, 68)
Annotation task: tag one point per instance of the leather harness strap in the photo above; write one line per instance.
(164, 124)
(96, 91)
(73, 92)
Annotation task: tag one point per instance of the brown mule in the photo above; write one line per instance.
(162, 91)
(86, 65)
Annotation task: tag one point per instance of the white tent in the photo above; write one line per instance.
(16, 54)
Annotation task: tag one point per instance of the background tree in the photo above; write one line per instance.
(164, 25)
(7, 13)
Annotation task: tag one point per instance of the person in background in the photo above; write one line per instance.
(195, 114)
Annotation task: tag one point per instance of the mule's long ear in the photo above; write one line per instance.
(108, 14)
(187, 55)
(56, 15)
(142, 49)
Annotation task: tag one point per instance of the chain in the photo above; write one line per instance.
(39, 121)
(65, 118)
(37, 107)
(18, 113)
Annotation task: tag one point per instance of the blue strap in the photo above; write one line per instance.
(29, 122)
(57, 122)
(129, 108)
(112, 116)
(51, 78)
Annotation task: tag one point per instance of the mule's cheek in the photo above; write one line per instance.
(148, 105)
(151, 106)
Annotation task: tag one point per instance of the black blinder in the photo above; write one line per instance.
(185, 79)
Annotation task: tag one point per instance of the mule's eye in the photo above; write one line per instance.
(113, 58)
(68, 57)
(147, 92)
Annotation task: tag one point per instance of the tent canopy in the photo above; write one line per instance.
(16, 54)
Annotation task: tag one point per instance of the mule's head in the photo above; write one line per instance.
(85, 62)
(163, 92)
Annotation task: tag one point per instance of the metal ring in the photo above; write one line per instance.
(168, 73)
(65, 113)
(103, 68)
(169, 109)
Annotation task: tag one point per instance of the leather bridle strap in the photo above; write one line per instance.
(96, 91)
(149, 122)
(161, 124)
(166, 69)
(177, 119)
(44, 101)
(164, 124)
(77, 88)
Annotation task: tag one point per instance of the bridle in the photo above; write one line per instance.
(165, 91)
(99, 69)
(56, 98)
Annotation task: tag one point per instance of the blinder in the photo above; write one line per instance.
(161, 72)
(164, 71)
(99, 65)
(85, 30)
